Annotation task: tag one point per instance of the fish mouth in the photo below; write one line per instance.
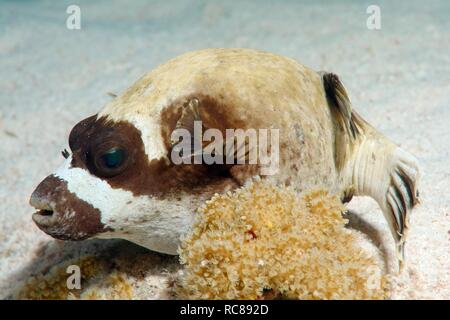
(49, 222)
(44, 218)
(62, 214)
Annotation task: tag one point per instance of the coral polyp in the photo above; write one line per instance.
(265, 241)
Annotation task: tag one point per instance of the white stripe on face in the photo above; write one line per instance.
(150, 135)
(152, 223)
(93, 190)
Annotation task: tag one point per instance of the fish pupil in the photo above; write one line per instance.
(113, 158)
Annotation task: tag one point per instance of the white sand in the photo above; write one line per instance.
(51, 77)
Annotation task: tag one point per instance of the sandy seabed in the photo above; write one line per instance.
(52, 77)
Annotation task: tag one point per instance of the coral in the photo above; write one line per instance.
(97, 282)
(114, 286)
(265, 241)
(115, 270)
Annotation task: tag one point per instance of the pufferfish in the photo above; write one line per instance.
(120, 179)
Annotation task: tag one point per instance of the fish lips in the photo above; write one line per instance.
(63, 215)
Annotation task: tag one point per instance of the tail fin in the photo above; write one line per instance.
(390, 175)
(378, 168)
(401, 195)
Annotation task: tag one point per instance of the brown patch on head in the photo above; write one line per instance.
(91, 138)
(214, 114)
(63, 215)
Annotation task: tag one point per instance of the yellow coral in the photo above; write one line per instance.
(263, 238)
(96, 282)
(114, 286)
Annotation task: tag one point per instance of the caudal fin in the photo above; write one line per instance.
(375, 165)
(401, 195)
(390, 175)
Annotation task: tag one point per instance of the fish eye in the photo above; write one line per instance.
(111, 162)
(113, 158)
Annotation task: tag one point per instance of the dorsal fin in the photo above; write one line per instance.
(339, 99)
(347, 123)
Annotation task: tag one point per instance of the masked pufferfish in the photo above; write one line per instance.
(120, 181)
